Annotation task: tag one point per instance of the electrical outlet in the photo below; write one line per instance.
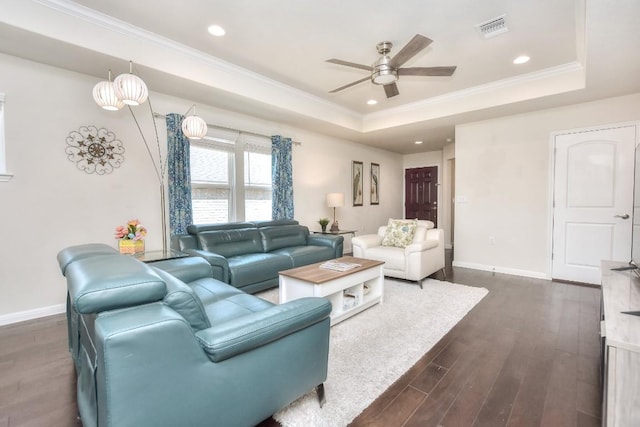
(492, 240)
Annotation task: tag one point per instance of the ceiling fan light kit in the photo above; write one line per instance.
(385, 70)
(383, 73)
(384, 76)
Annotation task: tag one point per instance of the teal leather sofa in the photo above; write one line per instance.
(165, 344)
(249, 255)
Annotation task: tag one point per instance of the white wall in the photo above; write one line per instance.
(50, 204)
(323, 165)
(503, 184)
(448, 191)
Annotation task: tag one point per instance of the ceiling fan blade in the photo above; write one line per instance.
(417, 43)
(426, 71)
(391, 90)
(350, 84)
(349, 64)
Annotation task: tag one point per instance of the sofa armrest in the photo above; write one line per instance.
(246, 333)
(367, 241)
(324, 240)
(421, 247)
(331, 241)
(219, 264)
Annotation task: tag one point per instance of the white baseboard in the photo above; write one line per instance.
(504, 270)
(21, 316)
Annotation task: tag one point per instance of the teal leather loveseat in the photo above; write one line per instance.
(165, 344)
(249, 255)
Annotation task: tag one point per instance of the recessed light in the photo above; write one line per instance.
(372, 102)
(216, 30)
(418, 142)
(521, 59)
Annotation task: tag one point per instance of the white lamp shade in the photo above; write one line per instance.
(335, 200)
(194, 127)
(105, 96)
(131, 89)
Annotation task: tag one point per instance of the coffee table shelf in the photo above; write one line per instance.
(350, 292)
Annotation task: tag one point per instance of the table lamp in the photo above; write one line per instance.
(335, 200)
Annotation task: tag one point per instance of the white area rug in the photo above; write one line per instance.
(370, 351)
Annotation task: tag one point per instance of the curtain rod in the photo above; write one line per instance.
(162, 116)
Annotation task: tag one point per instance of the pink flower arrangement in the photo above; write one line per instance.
(132, 231)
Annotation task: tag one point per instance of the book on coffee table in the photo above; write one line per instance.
(339, 266)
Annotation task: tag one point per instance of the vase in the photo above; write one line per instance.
(131, 246)
(324, 228)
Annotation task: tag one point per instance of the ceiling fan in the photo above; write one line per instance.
(386, 70)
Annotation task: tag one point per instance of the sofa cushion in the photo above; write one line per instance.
(253, 268)
(283, 236)
(399, 232)
(230, 243)
(186, 269)
(235, 306)
(78, 252)
(201, 228)
(304, 255)
(107, 282)
(181, 298)
(420, 235)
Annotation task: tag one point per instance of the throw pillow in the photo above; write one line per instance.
(399, 232)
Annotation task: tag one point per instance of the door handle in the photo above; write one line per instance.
(625, 216)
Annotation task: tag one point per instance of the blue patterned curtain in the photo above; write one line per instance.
(282, 178)
(179, 174)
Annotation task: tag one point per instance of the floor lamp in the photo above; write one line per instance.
(131, 90)
(335, 200)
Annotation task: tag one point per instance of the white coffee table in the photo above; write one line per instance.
(350, 291)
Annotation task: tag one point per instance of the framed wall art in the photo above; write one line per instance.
(94, 150)
(357, 180)
(375, 183)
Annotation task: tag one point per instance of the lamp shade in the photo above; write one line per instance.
(131, 89)
(105, 96)
(335, 200)
(194, 127)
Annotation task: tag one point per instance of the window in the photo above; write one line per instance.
(220, 161)
(4, 176)
(257, 183)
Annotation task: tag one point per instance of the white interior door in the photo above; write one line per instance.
(593, 201)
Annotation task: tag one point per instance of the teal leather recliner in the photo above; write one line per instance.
(169, 345)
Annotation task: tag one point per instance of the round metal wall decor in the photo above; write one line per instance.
(94, 150)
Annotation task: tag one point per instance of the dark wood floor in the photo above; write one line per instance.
(526, 355)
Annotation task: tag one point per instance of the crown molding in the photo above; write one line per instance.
(484, 89)
(120, 39)
(123, 28)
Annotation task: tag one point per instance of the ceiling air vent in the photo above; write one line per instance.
(493, 27)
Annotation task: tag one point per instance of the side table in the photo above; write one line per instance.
(352, 232)
(153, 256)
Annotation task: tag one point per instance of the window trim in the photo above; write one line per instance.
(4, 175)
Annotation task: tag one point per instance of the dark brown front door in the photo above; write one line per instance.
(421, 193)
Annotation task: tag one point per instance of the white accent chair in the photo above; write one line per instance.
(423, 257)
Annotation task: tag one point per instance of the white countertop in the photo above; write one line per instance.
(621, 292)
